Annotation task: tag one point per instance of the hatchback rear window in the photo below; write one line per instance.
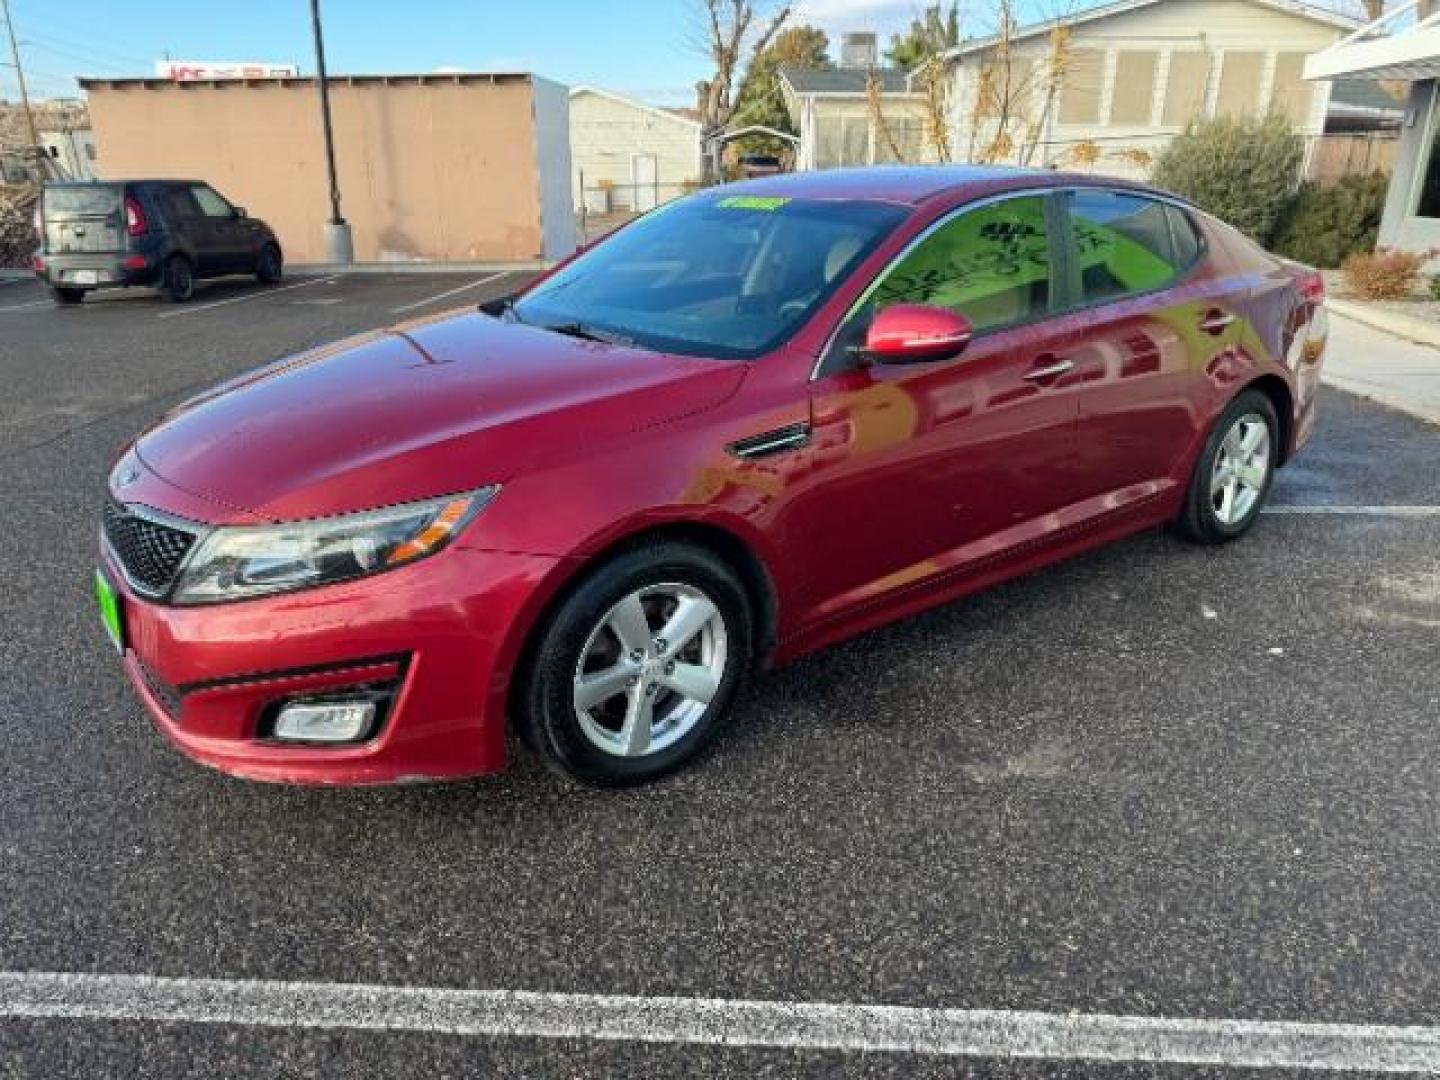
(81, 200)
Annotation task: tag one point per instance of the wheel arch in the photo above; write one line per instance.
(1280, 395)
(725, 542)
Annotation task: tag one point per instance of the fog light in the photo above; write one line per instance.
(318, 721)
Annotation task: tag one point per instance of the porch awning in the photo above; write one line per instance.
(1411, 53)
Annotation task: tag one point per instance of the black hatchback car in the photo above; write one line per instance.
(167, 233)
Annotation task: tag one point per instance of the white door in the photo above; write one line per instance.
(644, 175)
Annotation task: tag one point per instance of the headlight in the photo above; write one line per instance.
(241, 561)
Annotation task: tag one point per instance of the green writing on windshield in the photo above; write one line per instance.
(753, 202)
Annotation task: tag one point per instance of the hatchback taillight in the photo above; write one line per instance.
(1312, 286)
(134, 218)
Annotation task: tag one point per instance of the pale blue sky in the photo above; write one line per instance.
(639, 47)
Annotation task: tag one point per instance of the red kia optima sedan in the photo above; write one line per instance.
(751, 423)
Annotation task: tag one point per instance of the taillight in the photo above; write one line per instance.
(134, 218)
(1312, 286)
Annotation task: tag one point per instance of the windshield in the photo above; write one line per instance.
(81, 200)
(728, 277)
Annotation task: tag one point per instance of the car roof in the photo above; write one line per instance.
(122, 182)
(914, 184)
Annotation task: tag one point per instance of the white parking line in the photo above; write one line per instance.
(191, 309)
(720, 1022)
(449, 292)
(1360, 511)
(22, 307)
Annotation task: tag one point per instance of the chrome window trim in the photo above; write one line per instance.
(1041, 192)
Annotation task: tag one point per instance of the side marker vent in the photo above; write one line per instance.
(779, 441)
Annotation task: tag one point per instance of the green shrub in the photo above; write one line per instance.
(1435, 286)
(1323, 226)
(1243, 171)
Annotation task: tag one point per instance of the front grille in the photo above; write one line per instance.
(148, 551)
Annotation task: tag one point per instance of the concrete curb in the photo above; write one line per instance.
(1381, 394)
(1420, 331)
(527, 267)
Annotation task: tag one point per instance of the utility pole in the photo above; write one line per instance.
(338, 245)
(20, 76)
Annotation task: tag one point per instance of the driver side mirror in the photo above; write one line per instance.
(916, 333)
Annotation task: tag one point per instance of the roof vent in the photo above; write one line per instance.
(859, 50)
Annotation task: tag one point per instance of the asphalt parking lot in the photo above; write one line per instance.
(1156, 781)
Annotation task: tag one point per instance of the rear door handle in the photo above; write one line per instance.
(1052, 370)
(1215, 321)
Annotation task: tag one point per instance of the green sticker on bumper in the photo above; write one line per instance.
(110, 610)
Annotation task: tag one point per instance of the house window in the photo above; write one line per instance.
(1080, 93)
(905, 134)
(1006, 91)
(1239, 84)
(1292, 94)
(1134, 88)
(1429, 203)
(1185, 91)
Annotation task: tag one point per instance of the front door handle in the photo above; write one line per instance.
(1215, 321)
(1052, 370)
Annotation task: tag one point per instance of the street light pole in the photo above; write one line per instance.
(20, 75)
(338, 246)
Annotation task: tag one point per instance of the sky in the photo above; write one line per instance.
(644, 48)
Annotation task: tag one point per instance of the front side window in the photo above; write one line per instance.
(1124, 244)
(990, 264)
(211, 204)
(728, 277)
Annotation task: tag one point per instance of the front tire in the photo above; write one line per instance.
(635, 672)
(178, 281)
(1234, 472)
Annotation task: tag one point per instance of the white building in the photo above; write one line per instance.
(72, 153)
(1402, 45)
(1134, 73)
(626, 155)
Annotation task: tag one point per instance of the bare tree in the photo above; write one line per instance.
(729, 26)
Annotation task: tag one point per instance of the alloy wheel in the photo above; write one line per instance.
(1241, 469)
(649, 669)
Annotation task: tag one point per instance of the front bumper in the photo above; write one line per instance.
(439, 638)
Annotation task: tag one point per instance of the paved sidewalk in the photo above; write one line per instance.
(1384, 367)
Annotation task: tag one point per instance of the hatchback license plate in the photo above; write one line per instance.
(112, 610)
(85, 277)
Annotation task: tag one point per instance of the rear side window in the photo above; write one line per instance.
(211, 204)
(1184, 237)
(176, 203)
(1127, 244)
(990, 264)
(77, 200)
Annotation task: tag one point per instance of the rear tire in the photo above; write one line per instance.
(269, 267)
(656, 704)
(178, 280)
(1234, 472)
(65, 296)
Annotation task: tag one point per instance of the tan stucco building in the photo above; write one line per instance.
(431, 167)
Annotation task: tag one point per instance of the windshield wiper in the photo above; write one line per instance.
(589, 333)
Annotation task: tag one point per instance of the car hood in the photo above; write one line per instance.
(419, 410)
